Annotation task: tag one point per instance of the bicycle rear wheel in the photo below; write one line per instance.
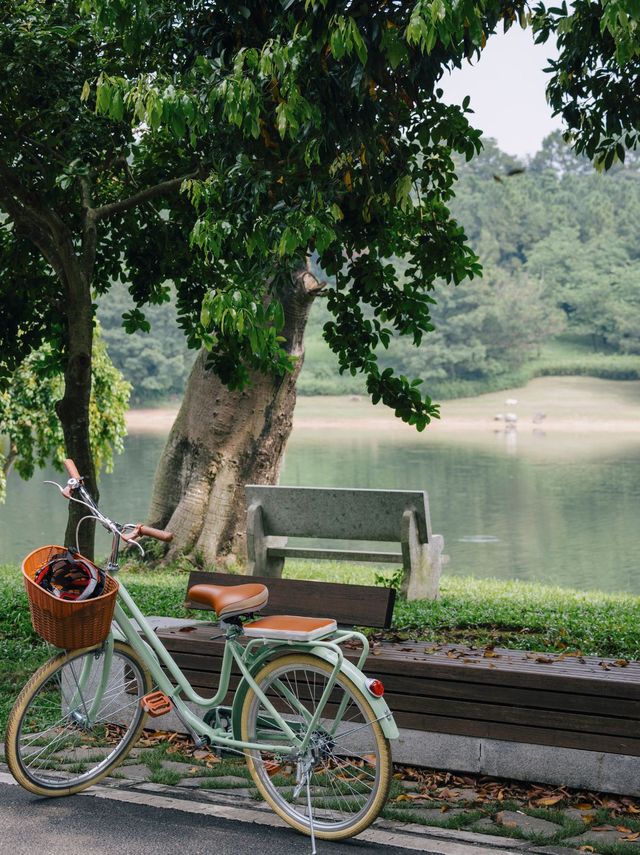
(76, 719)
(348, 765)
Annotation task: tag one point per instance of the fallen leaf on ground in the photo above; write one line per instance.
(550, 800)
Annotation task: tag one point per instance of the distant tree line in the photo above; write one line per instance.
(559, 248)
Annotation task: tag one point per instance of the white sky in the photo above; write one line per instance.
(507, 89)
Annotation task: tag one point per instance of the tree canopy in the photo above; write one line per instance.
(81, 204)
(595, 79)
(332, 138)
(294, 129)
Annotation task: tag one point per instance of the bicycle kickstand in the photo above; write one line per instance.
(313, 836)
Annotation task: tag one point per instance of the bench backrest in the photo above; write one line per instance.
(350, 605)
(343, 514)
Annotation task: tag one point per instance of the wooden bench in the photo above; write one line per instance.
(399, 517)
(556, 719)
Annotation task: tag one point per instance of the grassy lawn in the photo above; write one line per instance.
(470, 611)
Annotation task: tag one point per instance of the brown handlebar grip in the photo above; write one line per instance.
(158, 533)
(72, 469)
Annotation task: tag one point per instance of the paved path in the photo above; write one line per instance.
(106, 821)
(100, 826)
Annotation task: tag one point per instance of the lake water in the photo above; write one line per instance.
(561, 510)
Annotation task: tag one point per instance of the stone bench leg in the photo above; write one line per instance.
(422, 562)
(259, 562)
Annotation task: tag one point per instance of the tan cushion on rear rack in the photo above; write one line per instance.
(290, 628)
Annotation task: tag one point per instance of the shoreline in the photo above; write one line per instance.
(550, 405)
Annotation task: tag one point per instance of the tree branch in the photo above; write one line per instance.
(310, 283)
(25, 206)
(89, 231)
(40, 224)
(169, 186)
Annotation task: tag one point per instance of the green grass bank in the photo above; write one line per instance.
(470, 611)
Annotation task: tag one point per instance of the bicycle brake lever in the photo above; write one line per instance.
(130, 541)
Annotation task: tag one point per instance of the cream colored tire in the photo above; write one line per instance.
(347, 797)
(50, 773)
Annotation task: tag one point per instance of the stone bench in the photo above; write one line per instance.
(397, 517)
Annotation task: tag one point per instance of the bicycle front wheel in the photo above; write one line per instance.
(342, 780)
(76, 719)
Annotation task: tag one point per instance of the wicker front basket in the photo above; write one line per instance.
(64, 623)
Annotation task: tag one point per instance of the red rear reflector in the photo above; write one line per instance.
(376, 688)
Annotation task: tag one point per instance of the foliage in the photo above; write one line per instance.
(331, 138)
(82, 177)
(84, 202)
(594, 81)
(29, 428)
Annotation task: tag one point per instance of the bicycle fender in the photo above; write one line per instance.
(378, 705)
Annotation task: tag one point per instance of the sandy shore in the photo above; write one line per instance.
(558, 405)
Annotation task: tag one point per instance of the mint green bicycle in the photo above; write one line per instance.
(313, 728)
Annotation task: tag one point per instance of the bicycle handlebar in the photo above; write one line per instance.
(139, 530)
(147, 531)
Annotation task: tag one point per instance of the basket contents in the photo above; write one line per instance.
(71, 599)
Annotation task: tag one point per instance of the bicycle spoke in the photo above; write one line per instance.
(58, 744)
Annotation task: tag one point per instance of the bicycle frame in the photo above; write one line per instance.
(244, 658)
(247, 658)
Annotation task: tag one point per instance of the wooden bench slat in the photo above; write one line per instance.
(422, 691)
(428, 694)
(361, 605)
(471, 710)
(522, 701)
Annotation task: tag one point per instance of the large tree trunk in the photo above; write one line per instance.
(222, 440)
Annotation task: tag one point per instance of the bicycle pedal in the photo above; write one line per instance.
(156, 703)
